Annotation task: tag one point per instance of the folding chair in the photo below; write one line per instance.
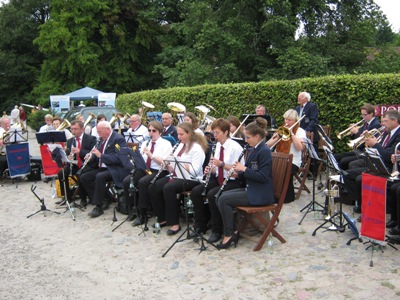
(305, 166)
(258, 216)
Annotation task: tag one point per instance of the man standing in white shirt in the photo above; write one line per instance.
(15, 115)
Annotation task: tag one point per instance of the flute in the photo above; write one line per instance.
(210, 166)
(87, 159)
(163, 164)
(229, 175)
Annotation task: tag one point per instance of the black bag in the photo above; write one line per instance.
(122, 207)
(35, 174)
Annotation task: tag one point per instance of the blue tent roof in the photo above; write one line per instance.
(85, 93)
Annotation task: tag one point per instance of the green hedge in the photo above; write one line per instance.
(338, 98)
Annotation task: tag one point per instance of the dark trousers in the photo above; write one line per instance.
(201, 210)
(352, 181)
(344, 159)
(143, 188)
(393, 199)
(290, 195)
(60, 175)
(94, 182)
(3, 164)
(130, 196)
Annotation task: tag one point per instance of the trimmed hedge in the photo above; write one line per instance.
(338, 98)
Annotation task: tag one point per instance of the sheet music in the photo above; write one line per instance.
(178, 164)
(64, 156)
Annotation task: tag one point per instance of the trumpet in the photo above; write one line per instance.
(210, 166)
(354, 144)
(347, 132)
(285, 134)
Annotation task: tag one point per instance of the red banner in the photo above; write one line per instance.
(380, 109)
(373, 217)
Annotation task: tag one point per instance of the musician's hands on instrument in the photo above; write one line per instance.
(238, 167)
(75, 150)
(370, 142)
(96, 152)
(354, 130)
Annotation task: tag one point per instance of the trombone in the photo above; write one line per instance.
(347, 131)
(285, 134)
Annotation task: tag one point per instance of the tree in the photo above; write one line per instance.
(20, 60)
(108, 45)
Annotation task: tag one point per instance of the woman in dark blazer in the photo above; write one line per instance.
(257, 174)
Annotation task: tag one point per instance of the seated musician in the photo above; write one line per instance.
(56, 124)
(233, 129)
(99, 118)
(257, 175)
(370, 122)
(169, 129)
(49, 123)
(110, 167)
(384, 145)
(5, 127)
(192, 119)
(292, 146)
(88, 128)
(154, 152)
(227, 151)
(163, 193)
(77, 148)
(137, 129)
(393, 202)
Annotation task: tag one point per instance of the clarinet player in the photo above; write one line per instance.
(226, 152)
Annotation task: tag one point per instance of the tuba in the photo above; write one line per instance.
(176, 111)
(202, 115)
(146, 106)
(113, 119)
(65, 124)
(89, 119)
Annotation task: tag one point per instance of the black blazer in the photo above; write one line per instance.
(258, 176)
(311, 119)
(171, 132)
(386, 152)
(375, 124)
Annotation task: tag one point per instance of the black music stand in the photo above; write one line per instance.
(312, 206)
(138, 163)
(182, 173)
(341, 226)
(51, 137)
(42, 206)
(16, 136)
(131, 137)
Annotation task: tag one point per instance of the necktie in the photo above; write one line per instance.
(148, 161)
(165, 130)
(182, 150)
(78, 142)
(221, 169)
(301, 110)
(365, 126)
(385, 142)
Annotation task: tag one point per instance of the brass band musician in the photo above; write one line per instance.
(293, 146)
(5, 127)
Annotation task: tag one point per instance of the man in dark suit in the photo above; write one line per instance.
(370, 122)
(309, 122)
(385, 147)
(77, 148)
(111, 167)
(168, 128)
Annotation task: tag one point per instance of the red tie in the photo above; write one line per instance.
(385, 142)
(148, 161)
(365, 125)
(182, 150)
(221, 169)
(78, 141)
(164, 130)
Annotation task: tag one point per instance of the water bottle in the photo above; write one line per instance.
(53, 193)
(157, 227)
(73, 211)
(270, 244)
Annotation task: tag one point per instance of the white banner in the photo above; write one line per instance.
(60, 104)
(106, 99)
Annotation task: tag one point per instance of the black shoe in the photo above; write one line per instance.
(47, 179)
(60, 202)
(161, 225)
(391, 224)
(106, 205)
(96, 212)
(233, 239)
(394, 231)
(197, 232)
(138, 221)
(173, 232)
(359, 219)
(214, 237)
(357, 209)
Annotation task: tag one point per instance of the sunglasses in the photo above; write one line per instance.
(152, 130)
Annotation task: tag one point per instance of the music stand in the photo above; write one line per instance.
(131, 137)
(341, 226)
(182, 173)
(15, 136)
(312, 205)
(42, 206)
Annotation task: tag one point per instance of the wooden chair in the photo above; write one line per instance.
(258, 216)
(305, 166)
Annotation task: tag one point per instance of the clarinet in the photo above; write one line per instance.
(87, 159)
(210, 166)
(162, 165)
(230, 172)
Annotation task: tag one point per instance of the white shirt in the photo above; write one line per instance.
(94, 132)
(196, 157)
(2, 148)
(142, 133)
(232, 151)
(45, 128)
(301, 134)
(162, 148)
(14, 116)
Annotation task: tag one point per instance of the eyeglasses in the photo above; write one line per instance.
(364, 115)
(152, 130)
